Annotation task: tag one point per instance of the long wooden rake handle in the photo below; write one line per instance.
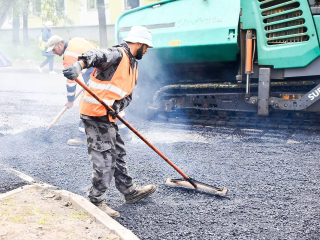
(138, 134)
(62, 112)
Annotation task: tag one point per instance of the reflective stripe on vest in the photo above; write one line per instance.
(72, 54)
(120, 86)
(71, 84)
(108, 87)
(76, 47)
(92, 100)
(71, 93)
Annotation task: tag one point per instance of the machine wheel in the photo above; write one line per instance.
(223, 114)
(206, 113)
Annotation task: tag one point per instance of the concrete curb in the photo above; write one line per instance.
(15, 191)
(79, 203)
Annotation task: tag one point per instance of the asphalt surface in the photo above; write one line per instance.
(9, 181)
(272, 175)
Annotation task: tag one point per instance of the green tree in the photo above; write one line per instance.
(4, 8)
(25, 14)
(52, 10)
(16, 11)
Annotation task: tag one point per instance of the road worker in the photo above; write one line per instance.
(71, 50)
(113, 81)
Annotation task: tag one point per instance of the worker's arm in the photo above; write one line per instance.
(71, 85)
(101, 59)
(119, 105)
(98, 58)
(71, 92)
(124, 102)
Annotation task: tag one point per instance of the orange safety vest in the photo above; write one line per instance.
(76, 46)
(120, 86)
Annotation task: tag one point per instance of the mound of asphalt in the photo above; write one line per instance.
(272, 177)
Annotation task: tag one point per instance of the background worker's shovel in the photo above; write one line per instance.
(186, 181)
(62, 111)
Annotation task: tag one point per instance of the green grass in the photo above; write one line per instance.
(79, 215)
(17, 219)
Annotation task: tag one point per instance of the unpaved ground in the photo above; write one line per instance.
(39, 214)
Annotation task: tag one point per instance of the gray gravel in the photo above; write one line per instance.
(9, 181)
(273, 183)
(273, 176)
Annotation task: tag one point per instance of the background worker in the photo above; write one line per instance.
(71, 50)
(113, 81)
(45, 35)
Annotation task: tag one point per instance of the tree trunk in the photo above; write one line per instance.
(15, 28)
(15, 22)
(102, 24)
(4, 8)
(25, 23)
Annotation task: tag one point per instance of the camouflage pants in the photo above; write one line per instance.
(107, 155)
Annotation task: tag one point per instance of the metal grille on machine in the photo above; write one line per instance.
(283, 21)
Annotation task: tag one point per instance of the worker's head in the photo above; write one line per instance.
(48, 24)
(139, 40)
(55, 44)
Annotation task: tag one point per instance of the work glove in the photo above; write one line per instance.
(69, 104)
(116, 108)
(73, 71)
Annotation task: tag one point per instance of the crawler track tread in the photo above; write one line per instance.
(281, 119)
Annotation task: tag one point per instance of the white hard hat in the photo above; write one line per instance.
(48, 23)
(139, 34)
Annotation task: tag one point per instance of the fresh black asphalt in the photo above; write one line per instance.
(273, 176)
(9, 181)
